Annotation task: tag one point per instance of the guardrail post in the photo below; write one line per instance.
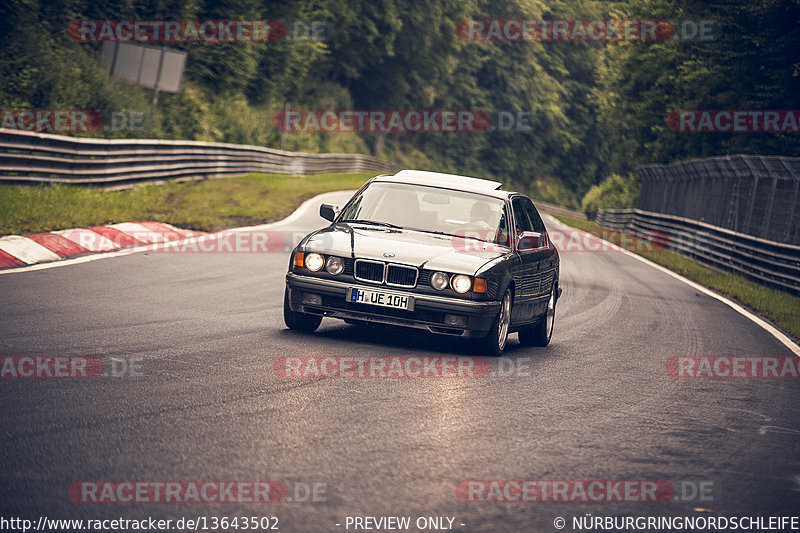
(753, 194)
(794, 217)
(768, 212)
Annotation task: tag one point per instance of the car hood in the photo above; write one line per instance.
(423, 250)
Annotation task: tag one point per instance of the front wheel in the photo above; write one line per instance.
(494, 343)
(296, 320)
(540, 333)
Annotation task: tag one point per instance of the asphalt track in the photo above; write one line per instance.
(205, 329)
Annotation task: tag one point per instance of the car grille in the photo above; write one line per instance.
(424, 277)
(371, 271)
(401, 276)
(379, 272)
(349, 267)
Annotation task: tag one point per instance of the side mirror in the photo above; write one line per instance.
(328, 211)
(531, 240)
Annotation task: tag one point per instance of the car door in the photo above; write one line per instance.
(544, 259)
(526, 270)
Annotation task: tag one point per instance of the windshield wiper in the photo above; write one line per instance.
(373, 222)
(437, 232)
(434, 232)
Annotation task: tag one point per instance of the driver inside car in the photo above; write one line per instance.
(479, 216)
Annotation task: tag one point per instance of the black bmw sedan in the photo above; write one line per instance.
(450, 254)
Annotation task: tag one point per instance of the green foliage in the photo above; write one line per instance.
(595, 110)
(749, 65)
(614, 192)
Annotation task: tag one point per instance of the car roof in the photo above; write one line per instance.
(446, 181)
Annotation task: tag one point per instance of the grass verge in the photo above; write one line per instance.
(208, 205)
(781, 308)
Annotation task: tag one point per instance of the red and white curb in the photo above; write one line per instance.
(22, 250)
(106, 242)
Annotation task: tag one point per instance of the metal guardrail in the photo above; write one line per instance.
(617, 219)
(27, 156)
(764, 261)
(754, 194)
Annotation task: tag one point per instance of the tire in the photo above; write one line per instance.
(540, 333)
(299, 321)
(495, 341)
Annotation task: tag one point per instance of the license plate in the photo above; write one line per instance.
(383, 299)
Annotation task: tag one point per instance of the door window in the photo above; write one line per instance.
(522, 221)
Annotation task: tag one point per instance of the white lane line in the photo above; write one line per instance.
(297, 214)
(772, 330)
(300, 212)
(27, 250)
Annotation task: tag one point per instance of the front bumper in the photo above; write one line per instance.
(429, 311)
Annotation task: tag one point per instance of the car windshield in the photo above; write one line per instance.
(429, 209)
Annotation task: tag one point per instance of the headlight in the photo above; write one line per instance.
(314, 262)
(439, 281)
(461, 283)
(334, 265)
